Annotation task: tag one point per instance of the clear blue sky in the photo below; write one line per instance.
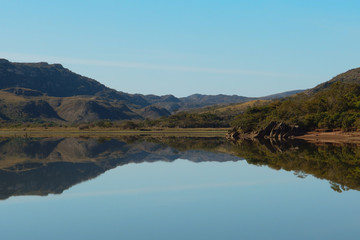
(249, 48)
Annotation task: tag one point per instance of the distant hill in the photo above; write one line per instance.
(231, 109)
(199, 100)
(49, 92)
(281, 95)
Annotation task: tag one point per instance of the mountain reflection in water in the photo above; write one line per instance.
(42, 166)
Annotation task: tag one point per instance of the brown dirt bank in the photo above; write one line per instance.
(331, 137)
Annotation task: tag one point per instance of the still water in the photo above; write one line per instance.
(177, 188)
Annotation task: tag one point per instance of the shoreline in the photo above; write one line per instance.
(316, 136)
(74, 132)
(331, 137)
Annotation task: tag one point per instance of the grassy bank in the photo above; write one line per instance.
(69, 131)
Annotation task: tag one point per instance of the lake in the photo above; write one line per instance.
(147, 187)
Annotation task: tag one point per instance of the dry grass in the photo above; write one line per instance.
(11, 98)
(231, 109)
(242, 106)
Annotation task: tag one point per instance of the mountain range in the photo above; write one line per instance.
(49, 92)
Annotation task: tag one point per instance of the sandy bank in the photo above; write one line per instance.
(331, 137)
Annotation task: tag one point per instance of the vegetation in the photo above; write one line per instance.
(188, 120)
(337, 106)
(209, 117)
(339, 164)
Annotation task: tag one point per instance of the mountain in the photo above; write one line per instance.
(38, 92)
(50, 92)
(56, 81)
(168, 102)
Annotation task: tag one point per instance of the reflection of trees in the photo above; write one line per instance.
(340, 164)
(51, 165)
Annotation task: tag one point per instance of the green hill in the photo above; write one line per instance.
(330, 105)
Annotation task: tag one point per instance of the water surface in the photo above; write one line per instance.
(177, 188)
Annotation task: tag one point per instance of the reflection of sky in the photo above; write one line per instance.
(185, 200)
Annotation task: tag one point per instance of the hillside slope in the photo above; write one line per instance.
(57, 81)
(19, 107)
(332, 104)
(52, 79)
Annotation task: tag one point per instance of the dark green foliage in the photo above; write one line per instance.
(253, 116)
(106, 123)
(335, 107)
(130, 125)
(179, 120)
(192, 120)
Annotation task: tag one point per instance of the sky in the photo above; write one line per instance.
(249, 48)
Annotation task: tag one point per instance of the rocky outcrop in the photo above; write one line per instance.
(233, 134)
(274, 130)
(278, 130)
